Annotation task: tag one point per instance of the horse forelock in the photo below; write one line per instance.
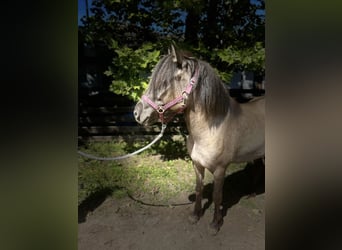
(161, 76)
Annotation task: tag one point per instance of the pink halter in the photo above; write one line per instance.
(161, 109)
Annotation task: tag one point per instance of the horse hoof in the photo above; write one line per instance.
(193, 219)
(213, 230)
(215, 227)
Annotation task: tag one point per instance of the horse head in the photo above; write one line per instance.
(169, 88)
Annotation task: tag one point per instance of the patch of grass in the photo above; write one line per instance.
(149, 176)
(120, 193)
(234, 167)
(145, 176)
(169, 148)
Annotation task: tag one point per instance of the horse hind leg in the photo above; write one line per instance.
(217, 198)
(197, 212)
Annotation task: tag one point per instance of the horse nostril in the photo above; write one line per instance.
(136, 115)
(137, 111)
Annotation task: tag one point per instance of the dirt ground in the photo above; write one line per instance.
(113, 223)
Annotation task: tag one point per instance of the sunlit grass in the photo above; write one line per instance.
(146, 176)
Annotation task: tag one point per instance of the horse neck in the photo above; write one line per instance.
(198, 123)
(210, 103)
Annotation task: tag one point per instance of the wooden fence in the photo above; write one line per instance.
(100, 118)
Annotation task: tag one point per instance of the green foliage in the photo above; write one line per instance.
(130, 69)
(252, 58)
(231, 58)
(227, 34)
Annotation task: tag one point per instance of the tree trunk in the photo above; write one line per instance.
(210, 34)
(192, 26)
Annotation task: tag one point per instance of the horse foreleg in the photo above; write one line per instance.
(217, 198)
(197, 213)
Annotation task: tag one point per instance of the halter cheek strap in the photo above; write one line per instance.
(162, 108)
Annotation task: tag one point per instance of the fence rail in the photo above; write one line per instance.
(108, 123)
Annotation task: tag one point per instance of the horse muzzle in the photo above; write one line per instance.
(144, 114)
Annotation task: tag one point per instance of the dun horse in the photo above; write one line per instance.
(221, 130)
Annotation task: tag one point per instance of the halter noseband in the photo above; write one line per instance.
(162, 108)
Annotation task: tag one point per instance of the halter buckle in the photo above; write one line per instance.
(185, 98)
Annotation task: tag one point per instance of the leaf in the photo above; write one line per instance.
(114, 44)
(108, 73)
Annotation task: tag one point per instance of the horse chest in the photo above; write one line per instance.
(208, 154)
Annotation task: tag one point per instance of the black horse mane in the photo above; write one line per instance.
(209, 93)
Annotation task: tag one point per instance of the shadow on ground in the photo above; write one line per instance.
(91, 203)
(249, 181)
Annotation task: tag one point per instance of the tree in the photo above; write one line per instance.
(229, 34)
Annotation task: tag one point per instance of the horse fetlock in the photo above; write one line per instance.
(193, 218)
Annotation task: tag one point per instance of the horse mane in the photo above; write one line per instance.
(210, 93)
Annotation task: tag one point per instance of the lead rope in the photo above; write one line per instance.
(128, 155)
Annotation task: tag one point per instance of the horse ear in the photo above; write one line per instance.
(176, 56)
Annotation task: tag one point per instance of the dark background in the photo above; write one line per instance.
(39, 125)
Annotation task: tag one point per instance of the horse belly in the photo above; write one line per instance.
(249, 153)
